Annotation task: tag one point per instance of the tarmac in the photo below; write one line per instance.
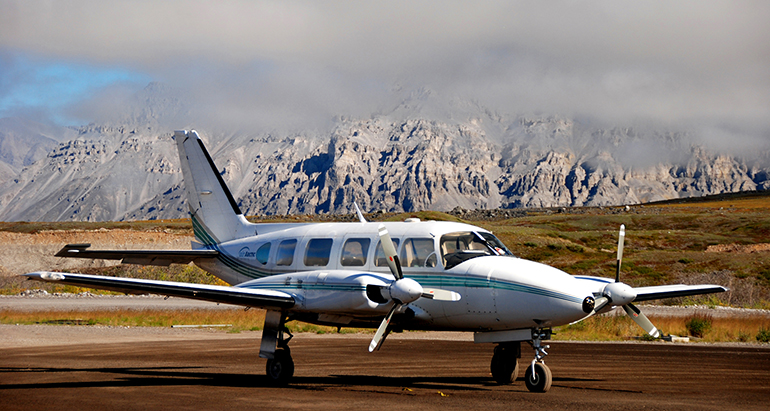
(88, 368)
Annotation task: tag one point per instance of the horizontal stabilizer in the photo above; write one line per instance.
(670, 291)
(214, 293)
(144, 257)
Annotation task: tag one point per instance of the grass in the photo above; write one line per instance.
(175, 226)
(237, 319)
(620, 327)
(598, 328)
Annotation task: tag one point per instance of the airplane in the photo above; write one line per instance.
(392, 276)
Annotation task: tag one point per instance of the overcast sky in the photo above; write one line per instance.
(697, 63)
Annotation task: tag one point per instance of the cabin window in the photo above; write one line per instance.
(418, 252)
(285, 254)
(318, 251)
(354, 252)
(379, 256)
(263, 253)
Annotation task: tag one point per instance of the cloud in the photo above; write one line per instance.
(680, 63)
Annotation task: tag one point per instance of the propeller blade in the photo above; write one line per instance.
(641, 319)
(621, 239)
(382, 330)
(440, 295)
(390, 253)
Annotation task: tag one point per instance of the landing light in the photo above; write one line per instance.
(588, 304)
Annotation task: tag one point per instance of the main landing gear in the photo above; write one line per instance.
(505, 364)
(275, 347)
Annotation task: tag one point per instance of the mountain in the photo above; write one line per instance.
(22, 142)
(413, 156)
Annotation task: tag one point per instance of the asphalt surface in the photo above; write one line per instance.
(337, 372)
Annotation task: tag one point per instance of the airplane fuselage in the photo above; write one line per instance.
(327, 267)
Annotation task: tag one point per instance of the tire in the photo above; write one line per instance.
(540, 380)
(504, 366)
(281, 368)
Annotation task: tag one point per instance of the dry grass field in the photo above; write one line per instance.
(723, 240)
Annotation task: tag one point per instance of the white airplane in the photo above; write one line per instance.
(411, 275)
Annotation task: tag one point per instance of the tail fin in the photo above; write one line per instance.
(215, 215)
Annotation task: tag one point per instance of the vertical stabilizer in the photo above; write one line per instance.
(215, 215)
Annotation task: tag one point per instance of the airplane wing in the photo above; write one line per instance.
(143, 257)
(214, 293)
(670, 291)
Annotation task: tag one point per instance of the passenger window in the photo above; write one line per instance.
(379, 256)
(318, 251)
(263, 253)
(418, 252)
(354, 252)
(285, 254)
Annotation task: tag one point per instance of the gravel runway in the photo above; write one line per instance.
(86, 368)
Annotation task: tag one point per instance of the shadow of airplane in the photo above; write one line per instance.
(198, 376)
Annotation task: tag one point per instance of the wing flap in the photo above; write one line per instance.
(143, 257)
(214, 293)
(671, 291)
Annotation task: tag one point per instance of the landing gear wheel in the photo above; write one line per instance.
(539, 380)
(281, 368)
(505, 365)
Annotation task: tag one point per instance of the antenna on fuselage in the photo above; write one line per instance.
(358, 212)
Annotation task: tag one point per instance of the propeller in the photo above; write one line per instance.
(402, 291)
(622, 294)
(621, 240)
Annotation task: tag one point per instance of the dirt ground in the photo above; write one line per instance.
(204, 369)
(24, 253)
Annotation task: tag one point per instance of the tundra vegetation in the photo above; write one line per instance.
(721, 240)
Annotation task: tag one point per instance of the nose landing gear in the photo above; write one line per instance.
(538, 376)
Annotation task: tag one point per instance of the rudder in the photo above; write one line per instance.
(215, 215)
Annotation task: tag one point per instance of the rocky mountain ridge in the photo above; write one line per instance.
(393, 161)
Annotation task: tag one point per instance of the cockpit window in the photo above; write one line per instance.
(462, 246)
(496, 244)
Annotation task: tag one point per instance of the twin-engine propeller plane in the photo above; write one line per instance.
(411, 275)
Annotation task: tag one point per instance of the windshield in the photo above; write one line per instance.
(496, 244)
(462, 246)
